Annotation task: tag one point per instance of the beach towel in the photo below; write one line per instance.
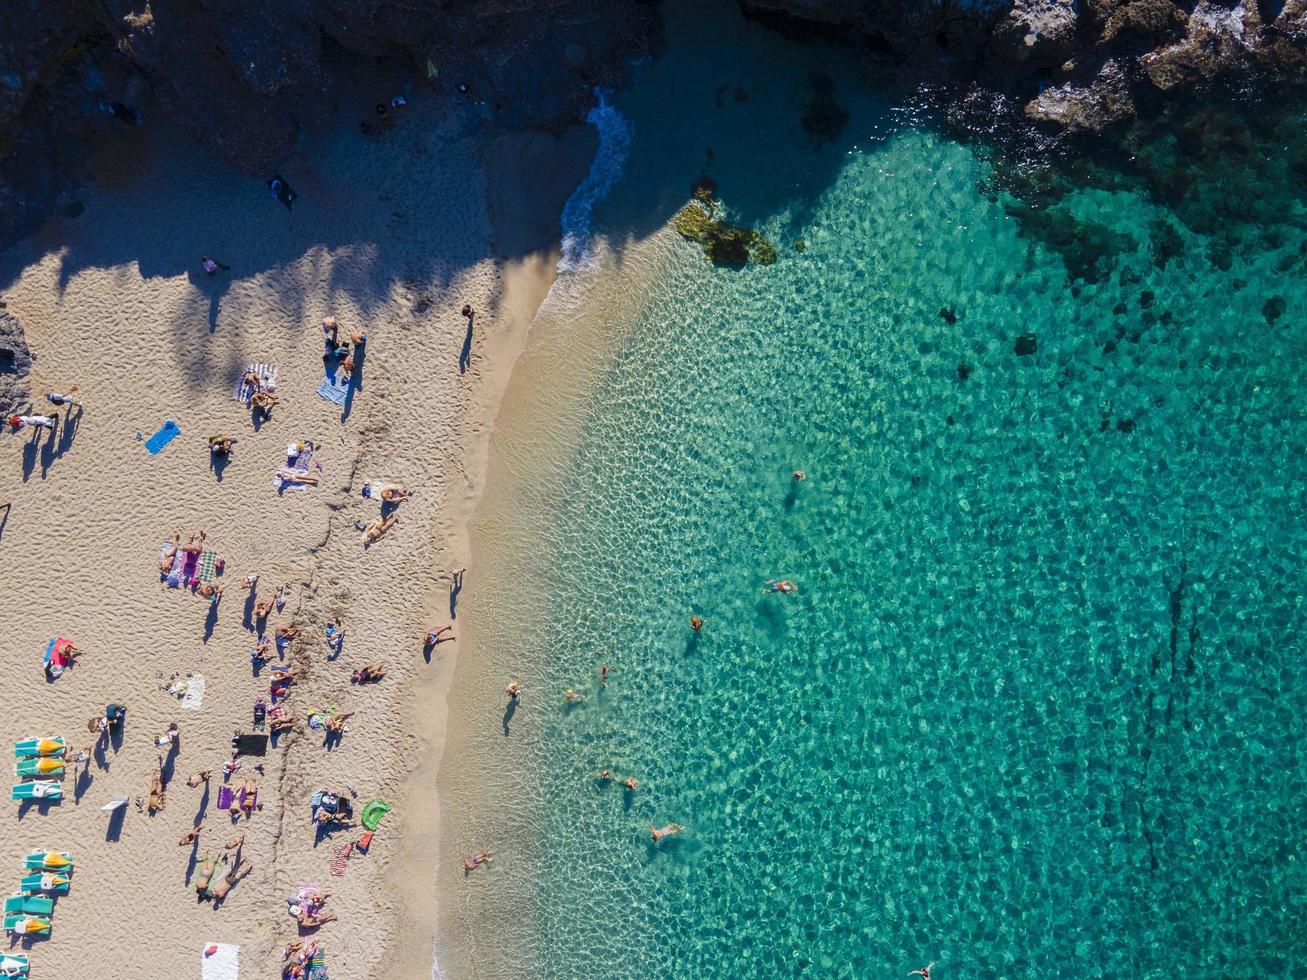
(163, 556)
(318, 965)
(297, 458)
(166, 434)
(54, 660)
(340, 859)
(220, 961)
(185, 574)
(244, 391)
(251, 744)
(208, 562)
(334, 387)
(225, 796)
(281, 484)
(194, 696)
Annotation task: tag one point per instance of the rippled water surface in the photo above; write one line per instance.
(1038, 706)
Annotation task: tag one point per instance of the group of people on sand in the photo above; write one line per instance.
(34, 420)
(208, 865)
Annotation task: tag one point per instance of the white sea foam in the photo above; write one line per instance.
(614, 145)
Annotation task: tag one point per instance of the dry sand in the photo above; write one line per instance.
(393, 235)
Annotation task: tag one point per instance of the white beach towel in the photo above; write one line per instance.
(194, 696)
(281, 484)
(222, 964)
(244, 391)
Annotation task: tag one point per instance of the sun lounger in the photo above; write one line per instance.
(49, 861)
(40, 789)
(26, 925)
(46, 882)
(39, 746)
(44, 766)
(13, 964)
(244, 391)
(29, 904)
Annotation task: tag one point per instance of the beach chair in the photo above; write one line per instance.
(29, 904)
(13, 964)
(25, 925)
(38, 746)
(40, 789)
(46, 882)
(49, 861)
(43, 766)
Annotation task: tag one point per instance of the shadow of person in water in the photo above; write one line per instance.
(509, 710)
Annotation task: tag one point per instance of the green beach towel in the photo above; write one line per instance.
(373, 811)
(207, 562)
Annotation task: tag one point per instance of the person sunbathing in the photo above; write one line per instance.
(263, 401)
(191, 835)
(220, 445)
(287, 632)
(235, 842)
(218, 893)
(263, 608)
(208, 590)
(261, 650)
(336, 723)
(378, 528)
(658, 833)
(436, 636)
(69, 650)
(249, 795)
(157, 791)
(170, 553)
(204, 874)
(200, 777)
(309, 921)
(395, 495)
(253, 379)
(477, 859)
(292, 477)
(369, 674)
(283, 723)
(192, 547)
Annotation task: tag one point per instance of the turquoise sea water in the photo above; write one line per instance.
(1039, 705)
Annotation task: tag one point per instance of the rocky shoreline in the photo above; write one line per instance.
(248, 80)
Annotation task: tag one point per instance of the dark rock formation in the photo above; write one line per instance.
(15, 363)
(247, 78)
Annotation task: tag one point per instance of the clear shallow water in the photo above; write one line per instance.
(1038, 707)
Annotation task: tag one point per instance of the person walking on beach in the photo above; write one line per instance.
(924, 972)
(437, 636)
(212, 267)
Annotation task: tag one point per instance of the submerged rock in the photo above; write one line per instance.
(1026, 345)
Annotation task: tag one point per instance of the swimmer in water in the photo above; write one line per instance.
(658, 833)
(924, 972)
(573, 697)
(696, 623)
(784, 586)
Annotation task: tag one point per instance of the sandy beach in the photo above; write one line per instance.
(391, 235)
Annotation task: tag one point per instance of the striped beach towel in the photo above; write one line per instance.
(208, 561)
(318, 965)
(340, 859)
(244, 391)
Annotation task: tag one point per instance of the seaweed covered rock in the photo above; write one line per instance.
(723, 243)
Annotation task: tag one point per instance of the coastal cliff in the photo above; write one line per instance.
(248, 80)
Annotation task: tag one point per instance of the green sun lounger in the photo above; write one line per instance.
(59, 861)
(13, 964)
(40, 789)
(26, 925)
(29, 904)
(40, 766)
(47, 881)
(39, 746)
